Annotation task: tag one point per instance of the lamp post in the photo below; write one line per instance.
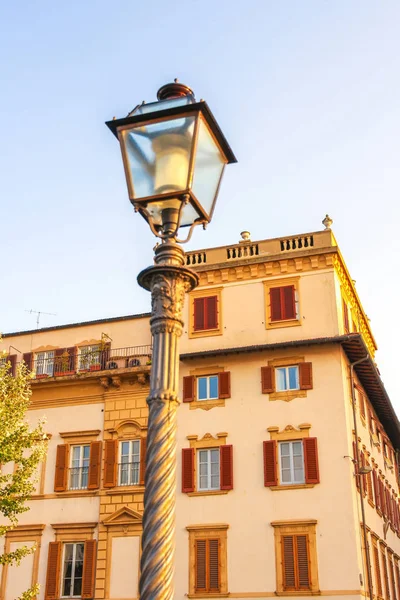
(174, 155)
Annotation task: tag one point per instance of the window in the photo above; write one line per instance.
(291, 462)
(205, 316)
(129, 466)
(208, 469)
(295, 547)
(205, 313)
(283, 301)
(79, 471)
(78, 464)
(124, 461)
(208, 560)
(71, 565)
(378, 581)
(72, 570)
(284, 380)
(207, 466)
(207, 388)
(210, 388)
(287, 378)
(89, 357)
(44, 363)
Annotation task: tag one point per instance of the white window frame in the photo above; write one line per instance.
(71, 594)
(44, 363)
(81, 466)
(291, 462)
(133, 471)
(208, 379)
(209, 486)
(286, 369)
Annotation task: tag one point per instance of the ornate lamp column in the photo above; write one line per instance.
(168, 282)
(174, 155)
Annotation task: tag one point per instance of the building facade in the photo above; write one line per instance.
(287, 440)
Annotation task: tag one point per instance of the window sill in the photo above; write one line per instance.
(208, 493)
(205, 333)
(207, 404)
(297, 486)
(279, 324)
(124, 489)
(208, 595)
(288, 396)
(299, 593)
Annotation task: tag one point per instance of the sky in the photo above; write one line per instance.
(307, 93)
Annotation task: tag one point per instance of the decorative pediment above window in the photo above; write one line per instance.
(128, 428)
(124, 516)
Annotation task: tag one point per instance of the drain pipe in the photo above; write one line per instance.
(358, 475)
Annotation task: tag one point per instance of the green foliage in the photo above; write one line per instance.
(21, 451)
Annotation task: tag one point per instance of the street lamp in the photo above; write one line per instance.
(174, 155)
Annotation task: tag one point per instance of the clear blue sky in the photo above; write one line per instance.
(307, 93)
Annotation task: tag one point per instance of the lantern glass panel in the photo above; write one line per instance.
(163, 105)
(158, 156)
(208, 167)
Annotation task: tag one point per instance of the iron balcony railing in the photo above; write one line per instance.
(64, 362)
(78, 478)
(129, 473)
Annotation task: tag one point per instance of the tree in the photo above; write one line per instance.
(21, 451)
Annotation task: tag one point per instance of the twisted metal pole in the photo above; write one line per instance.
(168, 280)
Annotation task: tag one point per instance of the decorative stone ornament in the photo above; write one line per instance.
(327, 222)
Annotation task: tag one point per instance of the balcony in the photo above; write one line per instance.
(56, 364)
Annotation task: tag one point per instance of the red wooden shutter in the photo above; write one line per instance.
(376, 490)
(213, 565)
(270, 470)
(58, 362)
(224, 384)
(275, 301)
(362, 404)
(105, 354)
(53, 571)
(356, 466)
(187, 470)
(289, 304)
(27, 357)
(12, 359)
(143, 449)
(288, 558)
(94, 466)
(363, 477)
(345, 316)
(267, 380)
(89, 569)
(110, 463)
(377, 571)
(226, 467)
(199, 313)
(201, 569)
(382, 496)
(72, 352)
(305, 376)
(188, 388)
(311, 460)
(61, 474)
(211, 304)
(302, 562)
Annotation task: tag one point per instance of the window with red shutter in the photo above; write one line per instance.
(110, 463)
(207, 565)
(296, 572)
(226, 467)
(205, 313)
(311, 460)
(270, 460)
(283, 303)
(61, 474)
(94, 466)
(187, 470)
(53, 571)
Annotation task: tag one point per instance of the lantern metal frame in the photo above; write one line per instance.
(200, 111)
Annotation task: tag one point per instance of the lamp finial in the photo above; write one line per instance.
(174, 90)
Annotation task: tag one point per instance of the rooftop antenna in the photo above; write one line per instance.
(38, 313)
